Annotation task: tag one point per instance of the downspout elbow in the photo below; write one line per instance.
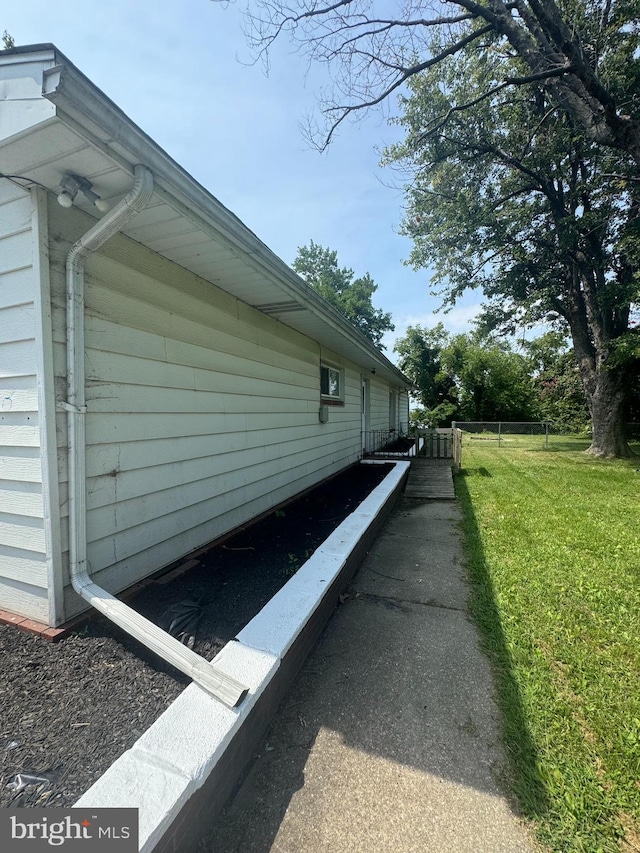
(114, 221)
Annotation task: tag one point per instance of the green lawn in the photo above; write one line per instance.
(553, 539)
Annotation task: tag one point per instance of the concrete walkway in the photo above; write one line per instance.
(388, 742)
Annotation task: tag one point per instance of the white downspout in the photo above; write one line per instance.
(220, 685)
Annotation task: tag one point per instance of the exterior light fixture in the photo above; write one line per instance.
(65, 199)
(69, 187)
(102, 205)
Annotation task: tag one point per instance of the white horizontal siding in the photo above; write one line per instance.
(22, 531)
(18, 431)
(202, 412)
(23, 566)
(24, 599)
(17, 323)
(17, 359)
(21, 463)
(17, 282)
(18, 498)
(23, 569)
(379, 412)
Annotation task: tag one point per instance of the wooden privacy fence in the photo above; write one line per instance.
(440, 444)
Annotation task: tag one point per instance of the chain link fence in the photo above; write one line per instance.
(530, 435)
(524, 434)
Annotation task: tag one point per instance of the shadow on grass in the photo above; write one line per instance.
(568, 446)
(526, 783)
(580, 445)
(469, 472)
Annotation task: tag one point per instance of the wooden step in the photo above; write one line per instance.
(430, 482)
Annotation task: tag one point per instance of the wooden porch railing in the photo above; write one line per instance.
(440, 444)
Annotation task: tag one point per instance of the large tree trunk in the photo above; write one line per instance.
(607, 404)
(604, 386)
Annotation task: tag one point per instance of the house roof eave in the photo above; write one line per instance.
(85, 108)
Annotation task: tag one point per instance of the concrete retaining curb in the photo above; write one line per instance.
(183, 769)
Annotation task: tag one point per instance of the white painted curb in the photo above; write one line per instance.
(176, 755)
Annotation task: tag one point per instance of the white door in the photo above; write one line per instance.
(393, 409)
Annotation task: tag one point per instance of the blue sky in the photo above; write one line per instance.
(181, 70)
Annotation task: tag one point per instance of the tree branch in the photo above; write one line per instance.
(347, 109)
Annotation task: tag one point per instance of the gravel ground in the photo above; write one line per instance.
(69, 709)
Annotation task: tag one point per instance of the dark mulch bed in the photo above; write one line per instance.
(400, 445)
(69, 709)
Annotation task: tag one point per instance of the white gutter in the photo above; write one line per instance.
(214, 681)
(83, 106)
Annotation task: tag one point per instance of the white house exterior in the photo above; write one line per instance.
(205, 356)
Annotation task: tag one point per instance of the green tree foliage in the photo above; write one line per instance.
(492, 381)
(568, 74)
(509, 197)
(419, 353)
(557, 384)
(350, 296)
(466, 377)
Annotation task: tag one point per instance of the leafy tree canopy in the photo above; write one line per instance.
(524, 144)
(466, 377)
(419, 352)
(557, 384)
(350, 296)
(493, 383)
(509, 198)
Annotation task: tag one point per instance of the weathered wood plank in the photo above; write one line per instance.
(432, 482)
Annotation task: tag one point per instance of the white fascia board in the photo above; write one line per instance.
(75, 97)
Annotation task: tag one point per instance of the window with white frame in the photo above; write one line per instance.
(331, 383)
